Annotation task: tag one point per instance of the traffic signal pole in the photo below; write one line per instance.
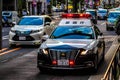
(0, 24)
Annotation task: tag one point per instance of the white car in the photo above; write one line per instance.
(28, 30)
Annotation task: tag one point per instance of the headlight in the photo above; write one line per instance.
(44, 51)
(13, 31)
(85, 52)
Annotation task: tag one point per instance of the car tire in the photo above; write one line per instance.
(117, 29)
(107, 28)
(103, 55)
(12, 45)
(96, 64)
(42, 70)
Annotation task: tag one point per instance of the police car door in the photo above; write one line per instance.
(100, 39)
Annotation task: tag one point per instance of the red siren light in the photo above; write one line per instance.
(74, 15)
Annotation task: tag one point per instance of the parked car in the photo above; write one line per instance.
(102, 13)
(28, 30)
(117, 26)
(9, 18)
(93, 12)
(111, 20)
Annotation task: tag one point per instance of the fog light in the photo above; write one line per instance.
(37, 43)
(71, 63)
(54, 62)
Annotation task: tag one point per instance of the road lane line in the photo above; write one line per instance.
(9, 51)
(103, 23)
(3, 49)
(5, 37)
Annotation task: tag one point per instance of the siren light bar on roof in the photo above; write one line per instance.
(74, 15)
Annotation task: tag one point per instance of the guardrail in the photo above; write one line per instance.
(113, 70)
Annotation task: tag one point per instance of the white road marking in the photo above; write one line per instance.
(5, 37)
(109, 38)
(103, 23)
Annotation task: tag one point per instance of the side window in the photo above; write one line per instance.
(47, 19)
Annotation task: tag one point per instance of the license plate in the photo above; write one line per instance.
(63, 62)
(22, 38)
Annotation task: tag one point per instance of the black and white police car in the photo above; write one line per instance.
(76, 43)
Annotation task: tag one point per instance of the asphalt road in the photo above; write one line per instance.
(19, 63)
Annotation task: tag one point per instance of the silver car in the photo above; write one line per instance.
(29, 30)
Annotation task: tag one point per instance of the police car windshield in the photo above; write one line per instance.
(113, 15)
(92, 12)
(72, 32)
(31, 21)
(102, 11)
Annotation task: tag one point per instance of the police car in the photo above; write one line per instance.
(102, 13)
(112, 18)
(76, 43)
(28, 30)
(93, 12)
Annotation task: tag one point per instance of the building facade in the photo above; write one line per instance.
(11, 5)
(36, 7)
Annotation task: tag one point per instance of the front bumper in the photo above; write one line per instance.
(36, 42)
(91, 65)
(110, 25)
(80, 63)
(32, 39)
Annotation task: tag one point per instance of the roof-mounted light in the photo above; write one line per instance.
(81, 15)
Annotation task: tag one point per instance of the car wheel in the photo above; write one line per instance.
(103, 55)
(12, 45)
(42, 70)
(96, 64)
(117, 28)
(107, 28)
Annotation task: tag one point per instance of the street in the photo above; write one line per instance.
(20, 63)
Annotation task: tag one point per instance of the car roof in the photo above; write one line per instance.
(90, 10)
(37, 16)
(102, 9)
(114, 11)
(75, 22)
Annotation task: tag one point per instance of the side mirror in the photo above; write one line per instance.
(14, 23)
(44, 38)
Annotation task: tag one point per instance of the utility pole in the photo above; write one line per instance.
(0, 24)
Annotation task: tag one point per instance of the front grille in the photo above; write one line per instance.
(63, 54)
(27, 38)
(20, 33)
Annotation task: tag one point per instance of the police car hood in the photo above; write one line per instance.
(27, 27)
(69, 44)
